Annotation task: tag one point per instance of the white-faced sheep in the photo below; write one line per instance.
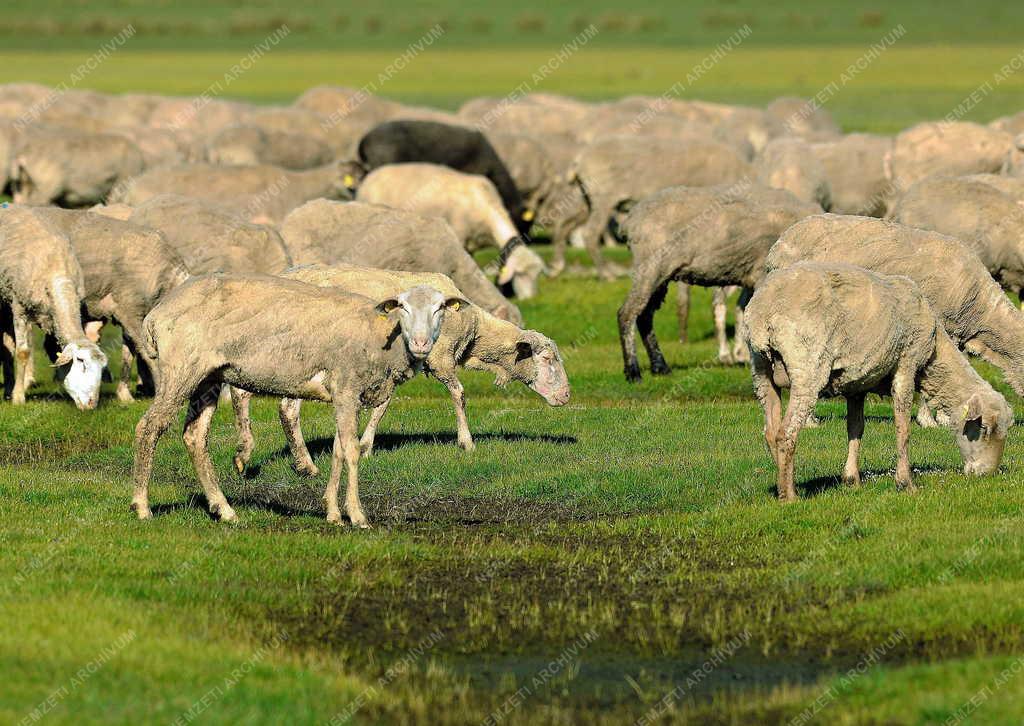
(702, 236)
(838, 330)
(41, 282)
(473, 339)
(282, 338)
(327, 232)
(469, 203)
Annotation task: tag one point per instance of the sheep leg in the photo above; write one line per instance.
(640, 293)
(240, 404)
(601, 211)
(802, 397)
(458, 394)
(346, 446)
(22, 353)
(683, 311)
(719, 300)
(559, 241)
(770, 398)
(7, 349)
(288, 410)
(30, 364)
(645, 324)
(124, 393)
(201, 407)
(151, 427)
(854, 433)
(902, 401)
(370, 432)
(924, 415)
(740, 354)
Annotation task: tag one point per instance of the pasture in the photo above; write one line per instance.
(618, 559)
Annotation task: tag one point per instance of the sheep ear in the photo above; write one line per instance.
(63, 359)
(523, 350)
(455, 303)
(386, 307)
(505, 274)
(972, 410)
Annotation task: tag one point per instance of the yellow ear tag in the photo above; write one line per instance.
(349, 180)
(502, 271)
(455, 305)
(382, 316)
(528, 215)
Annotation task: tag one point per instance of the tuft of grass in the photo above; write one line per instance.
(530, 23)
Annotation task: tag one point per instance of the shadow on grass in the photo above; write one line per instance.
(821, 484)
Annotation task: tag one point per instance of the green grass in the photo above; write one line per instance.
(629, 533)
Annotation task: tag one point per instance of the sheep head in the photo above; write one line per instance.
(85, 363)
(981, 425)
(419, 312)
(540, 366)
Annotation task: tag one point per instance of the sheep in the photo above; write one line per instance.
(469, 203)
(616, 171)
(460, 148)
(540, 113)
(259, 193)
(991, 222)
(283, 338)
(950, 149)
(211, 239)
(70, 167)
(1009, 185)
(838, 330)
(788, 163)
(854, 166)
(327, 232)
(474, 339)
(703, 236)
(975, 312)
(802, 118)
(529, 165)
(126, 269)
(41, 282)
(251, 145)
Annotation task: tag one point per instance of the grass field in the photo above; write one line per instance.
(618, 559)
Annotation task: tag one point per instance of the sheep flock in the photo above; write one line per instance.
(323, 251)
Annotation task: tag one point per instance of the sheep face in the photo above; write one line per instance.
(350, 174)
(545, 372)
(981, 430)
(85, 363)
(420, 312)
(522, 269)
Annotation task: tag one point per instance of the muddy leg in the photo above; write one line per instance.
(645, 324)
(201, 407)
(636, 302)
(288, 411)
(854, 433)
(346, 446)
(683, 311)
(241, 401)
(902, 400)
(802, 397)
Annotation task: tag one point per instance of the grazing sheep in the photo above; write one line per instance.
(617, 171)
(837, 330)
(469, 203)
(948, 149)
(41, 282)
(211, 239)
(991, 222)
(126, 269)
(702, 236)
(460, 148)
(258, 193)
(788, 163)
(327, 232)
(282, 338)
(854, 166)
(976, 313)
(527, 161)
(542, 114)
(69, 167)
(251, 145)
(474, 339)
(803, 118)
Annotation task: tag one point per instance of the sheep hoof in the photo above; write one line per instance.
(556, 268)
(361, 524)
(334, 518)
(851, 481)
(309, 471)
(467, 446)
(224, 512)
(142, 511)
(906, 485)
(660, 368)
(725, 359)
(633, 374)
(787, 497)
(812, 422)
(365, 449)
(239, 464)
(124, 395)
